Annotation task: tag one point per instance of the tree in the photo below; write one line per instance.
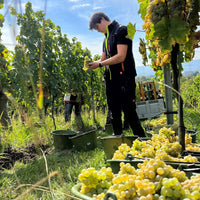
(171, 36)
(46, 64)
(4, 79)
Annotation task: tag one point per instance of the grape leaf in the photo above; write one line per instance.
(171, 31)
(166, 44)
(161, 29)
(179, 30)
(131, 30)
(143, 7)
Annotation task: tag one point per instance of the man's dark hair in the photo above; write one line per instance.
(96, 19)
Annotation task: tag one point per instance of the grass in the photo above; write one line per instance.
(31, 181)
(52, 174)
(67, 166)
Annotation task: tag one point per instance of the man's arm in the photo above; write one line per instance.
(118, 58)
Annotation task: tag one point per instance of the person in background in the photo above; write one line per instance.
(72, 100)
(118, 61)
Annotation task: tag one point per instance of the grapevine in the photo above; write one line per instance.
(167, 22)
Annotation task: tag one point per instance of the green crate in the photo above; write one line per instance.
(115, 164)
(111, 143)
(75, 191)
(76, 188)
(61, 139)
(86, 141)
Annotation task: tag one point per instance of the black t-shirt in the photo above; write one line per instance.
(118, 35)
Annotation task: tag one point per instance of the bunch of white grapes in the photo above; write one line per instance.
(164, 146)
(86, 62)
(176, 7)
(153, 180)
(94, 181)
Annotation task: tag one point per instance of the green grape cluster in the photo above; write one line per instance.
(154, 141)
(188, 139)
(123, 187)
(193, 186)
(148, 182)
(189, 158)
(176, 7)
(128, 184)
(171, 188)
(142, 149)
(156, 10)
(153, 180)
(86, 61)
(148, 152)
(95, 182)
(172, 149)
(138, 145)
(193, 16)
(163, 145)
(142, 50)
(162, 155)
(122, 151)
(156, 170)
(192, 147)
(168, 133)
(159, 122)
(160, 18)
(126, 169)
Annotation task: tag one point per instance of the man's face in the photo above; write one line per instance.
(101, 27)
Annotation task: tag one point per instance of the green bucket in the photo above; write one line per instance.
(111, 143)
(76, 188)
(86, 141)
(193, 134)
(61, 139)
(75, 191)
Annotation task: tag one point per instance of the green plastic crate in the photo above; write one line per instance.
(86, 141)
(61, 139)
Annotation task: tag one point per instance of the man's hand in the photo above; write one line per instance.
(93, 65)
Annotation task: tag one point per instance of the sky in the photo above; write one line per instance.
(73, 18)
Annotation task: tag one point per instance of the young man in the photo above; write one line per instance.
(117, 58)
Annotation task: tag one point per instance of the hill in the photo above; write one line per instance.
(190, 67)
(144, 71)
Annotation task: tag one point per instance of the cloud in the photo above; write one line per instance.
(80, 6)
(8, 36)
(197, 54)
(97, 8)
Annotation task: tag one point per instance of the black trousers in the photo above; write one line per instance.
(121, 96)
